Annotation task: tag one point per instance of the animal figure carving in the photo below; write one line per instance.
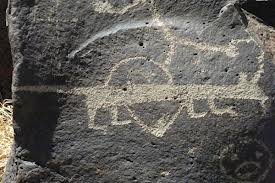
(108, 96)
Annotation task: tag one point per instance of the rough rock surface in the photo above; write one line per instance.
(140, 91)
(5, 55)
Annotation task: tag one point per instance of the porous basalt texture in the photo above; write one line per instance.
(140, 91)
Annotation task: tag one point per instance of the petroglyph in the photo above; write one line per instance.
(118, 7)
(250, 165)
(230, 50)
(111, 97)
(170, 37)
(129, 60)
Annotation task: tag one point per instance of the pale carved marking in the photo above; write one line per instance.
(105, 6)
(128, 60)
(237, 160)
(107, 96)
(230, 50)
(111, 97)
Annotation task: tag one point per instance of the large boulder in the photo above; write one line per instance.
(140, 91)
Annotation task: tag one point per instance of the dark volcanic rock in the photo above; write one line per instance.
(5, 55)
(140, 91)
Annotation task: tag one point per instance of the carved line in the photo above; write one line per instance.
(263, 176)
(230, 50)
(125, 61)
(106, 7)
(115, 121)
(169, 36)
(245, 90)
(243, 165)
(107, 96)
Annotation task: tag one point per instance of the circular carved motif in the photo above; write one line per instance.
(247, 161)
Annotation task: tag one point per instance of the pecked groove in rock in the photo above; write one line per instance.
(140, 91)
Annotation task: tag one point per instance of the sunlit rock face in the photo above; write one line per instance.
(140, 91)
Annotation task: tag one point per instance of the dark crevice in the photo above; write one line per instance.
(242, 15)
(264, 11)
(5, 55)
